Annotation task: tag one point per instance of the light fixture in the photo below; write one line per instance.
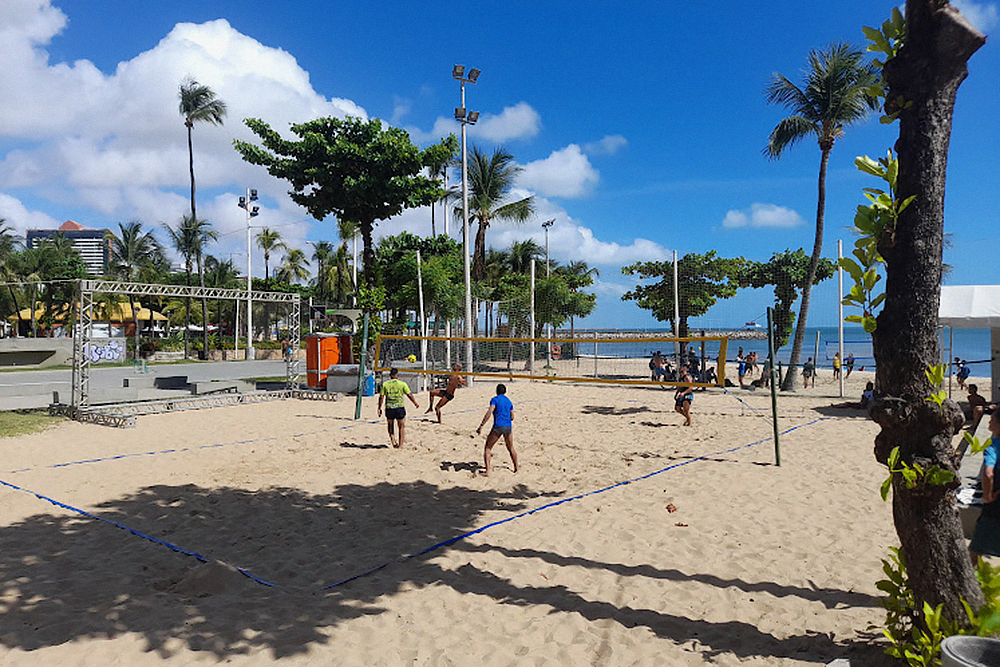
(473, 75)
(473, 117)
(458, 72)
(460, 113)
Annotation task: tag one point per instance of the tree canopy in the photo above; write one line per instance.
(355, 169)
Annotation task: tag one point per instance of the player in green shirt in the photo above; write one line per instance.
(394, 392)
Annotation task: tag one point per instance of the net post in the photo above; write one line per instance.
(361, 366)
(595, 354)
(531, 336)
(774, 389)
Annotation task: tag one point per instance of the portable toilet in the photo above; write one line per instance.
(322, 351)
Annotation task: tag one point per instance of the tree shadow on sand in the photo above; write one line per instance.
(66, 577)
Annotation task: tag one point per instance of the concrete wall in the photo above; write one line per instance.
(36, 352)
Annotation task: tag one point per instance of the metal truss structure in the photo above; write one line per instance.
(122, 415)
(83, 332)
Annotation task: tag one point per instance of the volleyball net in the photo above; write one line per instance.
(589, 357)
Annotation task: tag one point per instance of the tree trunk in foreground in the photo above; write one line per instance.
(927, 72)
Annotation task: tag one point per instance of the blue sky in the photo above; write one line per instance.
(639, 128)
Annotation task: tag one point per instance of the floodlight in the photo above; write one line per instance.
(473, 117)
(473, 75)
(243, 202)
(458, 71)
(253, 195)
(460, 113)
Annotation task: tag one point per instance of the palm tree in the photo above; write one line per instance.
(439, 171)
(268, 240)
(491, 178)
(336, 279)
(190, 239)
(322, 253)
(9, 246)
(578, 274)
(835, 94)
(222, 274)
(293, 269)
(129, 251)
(198, 104)
(521, 253)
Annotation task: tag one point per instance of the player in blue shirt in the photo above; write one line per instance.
(986, 538)
(503, 421)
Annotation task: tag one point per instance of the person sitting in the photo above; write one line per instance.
(978, 406)
(867, 396)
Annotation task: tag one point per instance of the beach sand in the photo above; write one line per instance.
(675, 546)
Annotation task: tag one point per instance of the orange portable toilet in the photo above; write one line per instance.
(322, 351)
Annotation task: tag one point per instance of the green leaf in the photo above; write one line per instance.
(886, 485)
(868, 165)
(877, 300)
(856, 319)
(869, 324)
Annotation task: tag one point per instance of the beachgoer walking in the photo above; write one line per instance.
(808, 371)
(741, 366)
(286, 349)
(963, 372)
(446, 395)
(502, 411)
(848, 365)
(683, 398)
(986, 538)
(836, 365)
(393, 393)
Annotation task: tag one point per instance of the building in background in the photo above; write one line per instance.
(92, 244)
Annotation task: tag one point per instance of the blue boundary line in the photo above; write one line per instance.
(399, 559)
(457, 538)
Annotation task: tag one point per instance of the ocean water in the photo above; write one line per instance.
(820, 343)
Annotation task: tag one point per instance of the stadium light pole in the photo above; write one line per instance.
(252, 210)
(466, 118)
(548, 325)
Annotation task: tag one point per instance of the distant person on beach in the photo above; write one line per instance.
(741, 366)
(986, 538)
(808, 371)
(393, 393)
(286, 349)
(447, 394)
(963, 372)
(683, 398)
(502, 411)
(836, 365)
(868, 395)
(658, 366)
(978, 406)
(848, 365)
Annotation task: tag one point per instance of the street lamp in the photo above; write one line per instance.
(252, 210)
(466, 118)
(548, 325)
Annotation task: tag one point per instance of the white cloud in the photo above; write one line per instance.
(18, 218)
(520, 121)
(564, 173)
(609, 145)
(116, 142)
(762, 215)
(983, 15)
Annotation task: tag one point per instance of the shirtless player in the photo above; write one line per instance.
(448, 393)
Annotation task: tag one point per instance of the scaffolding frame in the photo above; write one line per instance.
(83, 335)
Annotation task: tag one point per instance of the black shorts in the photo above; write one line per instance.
(395, 413)
(448, 395)
(502, 430)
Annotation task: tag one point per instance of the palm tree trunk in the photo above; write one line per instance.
(204, 309)
(191, 168)
(187, 310)
(800, 326)
(479, 253)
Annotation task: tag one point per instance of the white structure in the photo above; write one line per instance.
(975, 307)
(92, 245)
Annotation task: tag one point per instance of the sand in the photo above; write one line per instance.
(710, 554)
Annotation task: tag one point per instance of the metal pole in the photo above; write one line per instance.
(446, 231)
(531, 324)
(595, 354)
(677, 317)
(362, 356)
(423, 325)
(466, 266)
(774, 383)
(250, 354)
(548, 325)
(840, 312)
(816, 357)
(354, 273)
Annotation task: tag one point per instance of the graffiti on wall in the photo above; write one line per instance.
(111, 350)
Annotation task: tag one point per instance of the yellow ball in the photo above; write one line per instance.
(411, 358)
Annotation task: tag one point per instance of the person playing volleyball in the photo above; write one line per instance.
(393, 392)
(683, 399)
(503, 421)
(447, 394)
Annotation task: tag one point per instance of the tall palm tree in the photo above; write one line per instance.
(336, 280)
(198, 104)
(322, 253)
(294, 268)
(269, 240)
(130, 250)
(189, 240)
(439, 171)
(222, 274)
(9, 246)
(834, 95)
(521, 253)
(491, 178)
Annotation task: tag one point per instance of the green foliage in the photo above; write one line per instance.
(16, 423)
(974, 445)
(788, 272)
(935, 375)
(887, 40)
(916, 635)
(914, 475)
(702, 280)
(873, 222)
